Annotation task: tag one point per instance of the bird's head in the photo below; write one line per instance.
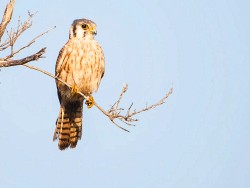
(83, 28)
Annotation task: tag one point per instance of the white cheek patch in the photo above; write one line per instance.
(79, 31)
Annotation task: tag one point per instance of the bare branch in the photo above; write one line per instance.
(115, 111)
(33, 57)
(6, 17)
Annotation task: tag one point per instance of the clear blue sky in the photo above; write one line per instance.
(199, 138)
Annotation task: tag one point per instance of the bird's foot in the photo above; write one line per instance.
(74, 90)
(90, 102)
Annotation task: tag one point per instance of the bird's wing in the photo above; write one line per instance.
(62, 58)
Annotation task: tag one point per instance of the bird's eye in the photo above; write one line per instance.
(84, 26)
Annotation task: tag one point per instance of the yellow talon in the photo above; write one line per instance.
(90, 102)
(74, 90)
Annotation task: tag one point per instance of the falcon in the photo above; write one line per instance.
(80, 64)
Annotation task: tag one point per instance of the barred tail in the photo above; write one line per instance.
(69, 125)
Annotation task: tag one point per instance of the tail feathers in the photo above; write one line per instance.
(68, 127)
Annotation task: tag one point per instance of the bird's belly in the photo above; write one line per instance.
(87, 84)
(86, 77)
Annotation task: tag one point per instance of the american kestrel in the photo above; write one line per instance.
(80, 63)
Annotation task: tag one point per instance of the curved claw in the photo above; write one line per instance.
(74, 90)
(90, 102)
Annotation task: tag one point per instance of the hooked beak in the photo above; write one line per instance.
(94, 32)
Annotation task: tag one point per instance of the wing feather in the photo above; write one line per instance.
(62, 58)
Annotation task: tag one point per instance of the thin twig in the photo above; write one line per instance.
(124, 89)
(162, 101)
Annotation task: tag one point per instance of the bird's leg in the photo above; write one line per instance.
(90, 101)
(74, 90)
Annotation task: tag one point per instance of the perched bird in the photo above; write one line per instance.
(80, 63)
